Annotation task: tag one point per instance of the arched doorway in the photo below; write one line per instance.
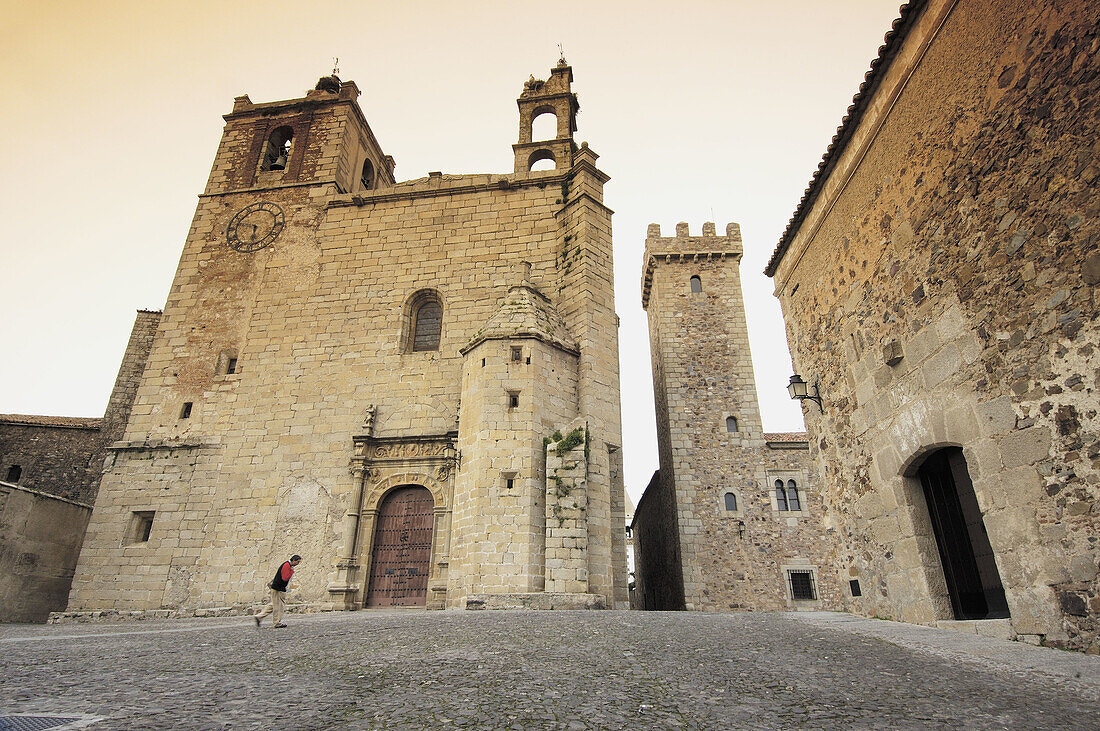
(969, 567)
(401, 556)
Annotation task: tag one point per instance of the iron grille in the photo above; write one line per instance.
(802, 585)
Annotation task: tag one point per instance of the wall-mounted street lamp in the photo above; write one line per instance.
(741, 529)
(799, 389)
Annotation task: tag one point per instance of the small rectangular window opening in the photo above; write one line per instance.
(517, 354)
(509, 480)
(854, 584)
(141, 526)
(513, 399)
(185, 412)
(231, 366)
(802, 585)
(482, 362)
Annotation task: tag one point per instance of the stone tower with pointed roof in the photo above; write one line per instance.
(414, 385)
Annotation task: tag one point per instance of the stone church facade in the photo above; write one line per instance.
(733, 518)
(939, 284)
(414, 385)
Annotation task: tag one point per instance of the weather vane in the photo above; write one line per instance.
(335, 65)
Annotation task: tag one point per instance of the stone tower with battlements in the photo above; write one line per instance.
(414, 385)
(711, 530)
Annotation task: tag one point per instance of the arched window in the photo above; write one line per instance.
(731, 502)
(366, 179)
(279, 146)
(541, 160)
(14, 473)
(780, 496)
(544, 125)
(792, 496)
(427, 326)
(731, 424)
(696, 284)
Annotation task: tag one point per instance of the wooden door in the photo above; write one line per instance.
(400, 559)
(961, 538)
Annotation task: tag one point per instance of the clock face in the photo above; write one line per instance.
(254, 227)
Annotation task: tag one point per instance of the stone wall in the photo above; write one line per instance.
(659, 580)
(40, 537)
(939, 282)
(712, 443)
(56, 455)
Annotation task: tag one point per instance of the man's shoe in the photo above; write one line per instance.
(279, 625)
(257, 620)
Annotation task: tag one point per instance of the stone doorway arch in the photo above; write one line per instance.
(969, 565)
(402, 547)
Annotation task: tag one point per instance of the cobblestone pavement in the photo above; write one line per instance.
(524, 670)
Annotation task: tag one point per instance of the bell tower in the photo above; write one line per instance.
(552, 96)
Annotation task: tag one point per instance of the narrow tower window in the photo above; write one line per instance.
(279, 146)
(14, 473)
(185, 412)
(731, 424)
(696, 284)
(367, 177)
(517, 354)
(227, 362)
(731, 502)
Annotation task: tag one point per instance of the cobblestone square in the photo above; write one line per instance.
(554, 670)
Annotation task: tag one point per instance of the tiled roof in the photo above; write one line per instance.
(908, 14)
(786, 436)
(66, 422)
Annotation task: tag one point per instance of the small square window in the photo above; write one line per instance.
(802, 585)
(141, 525)
(513, 399)
(517, 354)
(185, 412)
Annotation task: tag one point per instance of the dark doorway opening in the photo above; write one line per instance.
(969, 567)
(402, 551)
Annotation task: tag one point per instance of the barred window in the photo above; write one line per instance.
(802, 585)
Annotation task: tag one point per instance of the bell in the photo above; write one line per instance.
(280, 162)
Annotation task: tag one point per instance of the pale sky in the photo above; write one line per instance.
(700, 111)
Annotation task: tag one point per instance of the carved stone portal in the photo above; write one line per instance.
(381, 464)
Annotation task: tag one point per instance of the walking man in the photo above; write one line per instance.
(278, 593)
